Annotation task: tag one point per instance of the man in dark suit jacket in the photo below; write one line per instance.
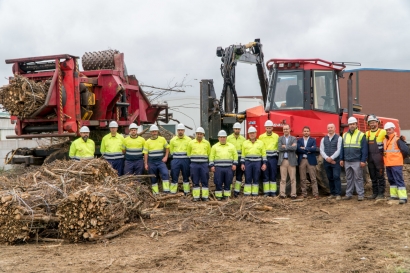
(306, 148)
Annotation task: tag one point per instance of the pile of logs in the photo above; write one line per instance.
(94, 212)
(22, 97)
(69, 200)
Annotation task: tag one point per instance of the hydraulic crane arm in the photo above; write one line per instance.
(249, 53)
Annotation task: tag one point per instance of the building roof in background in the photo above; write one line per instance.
(4, 115)
(377, 69)
(251, 97)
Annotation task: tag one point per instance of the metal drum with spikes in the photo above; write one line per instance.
(99, 60)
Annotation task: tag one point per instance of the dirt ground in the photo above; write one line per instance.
(309, 236)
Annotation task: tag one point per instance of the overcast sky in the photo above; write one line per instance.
(165, 40)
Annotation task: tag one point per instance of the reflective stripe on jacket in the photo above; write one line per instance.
(271, 143)
(253, 151)
(178, 146)
(155, 148)
(392, 154)
(199, 151)
(354, 147)
(112, 146)
(82, 150)
(237, 142)
(223, 155)
(133, 148)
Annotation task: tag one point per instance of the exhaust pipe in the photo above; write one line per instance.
(350, 96)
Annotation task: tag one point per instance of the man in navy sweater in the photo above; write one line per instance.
(306, 148)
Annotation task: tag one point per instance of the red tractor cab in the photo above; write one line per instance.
(305, 92)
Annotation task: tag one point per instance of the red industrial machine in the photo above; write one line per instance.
(297, 92)
(305, 92)
(101, 93)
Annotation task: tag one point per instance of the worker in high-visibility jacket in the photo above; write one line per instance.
(156, 151)
(223, 160)
(353, 157)
(83, 147)
(237, 140)
(198, 152)
(133, 146)
(270, 139)
(253, 161)
(393, 160)
(112, 148)
(178, 147)
(375, 162)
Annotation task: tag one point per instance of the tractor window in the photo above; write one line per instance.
(324, 89)
(288, 90)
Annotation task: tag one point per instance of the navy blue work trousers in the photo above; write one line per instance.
(135, 167)
(158, 168)
(333, 175)
(252, 172)
(223, 178)
(180, 165)
(117, 164)
(199, 174)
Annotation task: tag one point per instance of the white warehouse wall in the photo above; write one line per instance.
(6, 145)
(186, 109)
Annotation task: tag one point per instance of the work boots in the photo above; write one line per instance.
(374, 196)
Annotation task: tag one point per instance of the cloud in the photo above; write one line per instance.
(164, 40)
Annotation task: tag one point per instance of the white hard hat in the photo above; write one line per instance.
(389, 125)
(251, 130)
(351, 120)
(200, 130)
(133, 126)
(113, 124)
(153, 128)
(84, 129)
(237, 125)
(180, 126)
(372, 118)
(222, 133)
(268, 123)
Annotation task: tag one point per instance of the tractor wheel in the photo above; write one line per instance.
(323, 182)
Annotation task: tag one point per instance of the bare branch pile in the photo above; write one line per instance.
(69, 200)
(22, 97)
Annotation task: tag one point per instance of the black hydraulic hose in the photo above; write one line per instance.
(228, 73)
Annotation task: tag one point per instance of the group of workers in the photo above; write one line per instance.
(235, 156)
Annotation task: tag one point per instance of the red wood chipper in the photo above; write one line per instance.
(101, 93)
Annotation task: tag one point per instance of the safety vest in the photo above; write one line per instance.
(82, 150)
(178, 146)
(271, 143)
(237, 142)
(392, 154)
(253, 151)
(378, 136)
(155, 148)
(223, 155)
(352, 145)
(112, 146)
(133, 148)
(199, 151)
